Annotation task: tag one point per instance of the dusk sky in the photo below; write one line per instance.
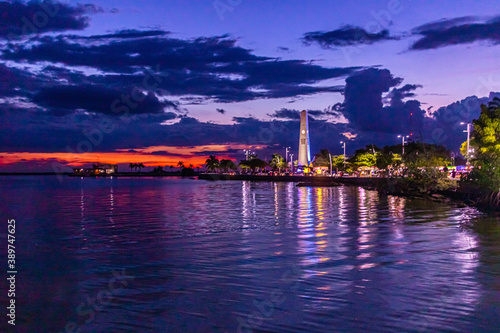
(165, 81)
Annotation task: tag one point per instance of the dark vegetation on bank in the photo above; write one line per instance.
(479, 188)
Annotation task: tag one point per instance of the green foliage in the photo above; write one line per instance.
(363, 159)
(277, 162)
(486, 134)
(383, 160)
(422, 180)
(322, 159)
(253, 164)
(485, 177)
(463, 149)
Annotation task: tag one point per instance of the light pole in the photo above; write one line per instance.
(286, 157)
(291, 162)
(330, 155)
(468, 140)
(343, 145)
(403, 142)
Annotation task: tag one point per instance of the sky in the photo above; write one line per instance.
(159, 82)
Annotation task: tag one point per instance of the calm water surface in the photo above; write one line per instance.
(200, 256)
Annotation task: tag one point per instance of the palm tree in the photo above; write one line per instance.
(212, 163)
(140, 166)
(180, 164)
(131, 166)
(191, 166)
(277, 162)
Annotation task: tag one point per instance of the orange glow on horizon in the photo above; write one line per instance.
(124, 156)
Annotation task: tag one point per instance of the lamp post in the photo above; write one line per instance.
(343, 145)
(403, 142)
(330, 155)
(286, 157)
(468, 141)
(291, 162)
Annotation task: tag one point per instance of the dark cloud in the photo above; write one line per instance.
(221, 111)
(363, 103)
(283, 49)
(291, 114)
(213, 68)
(286, 114)
(345, 36)
(446, 128)
(130, 33)
(13, 80)
(456, 31)
(100, 99)
(20, 19)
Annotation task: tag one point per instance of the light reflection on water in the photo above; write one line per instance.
(215, 256)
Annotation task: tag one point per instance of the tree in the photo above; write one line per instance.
(140, 166)
(383, 160)
(277, 162)
(486, 133)
(322, 159)
(180, 165)
(253, 164)
(132, 166)
(158, 170)
(227, 165)
(363, 159)
(485, 138)
(212, 163)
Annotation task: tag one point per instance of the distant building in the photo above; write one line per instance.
(97, 169)
(304, 149)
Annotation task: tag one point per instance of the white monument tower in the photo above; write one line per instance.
(304, 150)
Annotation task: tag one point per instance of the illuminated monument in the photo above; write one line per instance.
(304, 150)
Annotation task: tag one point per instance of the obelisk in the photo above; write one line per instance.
(304, 150)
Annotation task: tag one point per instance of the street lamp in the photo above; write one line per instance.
(291, 163)
(468, 140)
(286, 153)
(343, 145)
(403, 142)
(330, 155)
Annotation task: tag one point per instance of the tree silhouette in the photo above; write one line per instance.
(180, 164)
(212, 163)
(227, 164)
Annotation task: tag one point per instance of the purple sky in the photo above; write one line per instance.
(232, 73)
